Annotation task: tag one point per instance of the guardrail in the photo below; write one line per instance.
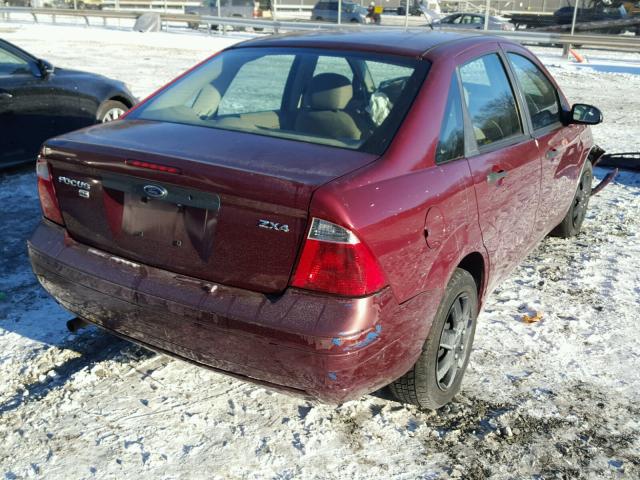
(606, 41)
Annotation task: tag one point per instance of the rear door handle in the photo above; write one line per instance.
(494, 177)
(5, 96)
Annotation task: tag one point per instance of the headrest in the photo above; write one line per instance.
(207, 101)
(329, 91)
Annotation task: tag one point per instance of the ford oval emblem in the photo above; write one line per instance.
(155, 191)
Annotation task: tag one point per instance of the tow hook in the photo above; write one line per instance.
(595, 156)
(76, 324)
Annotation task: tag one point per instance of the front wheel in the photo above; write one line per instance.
(572, 222)
(110, 111)
(436, 377)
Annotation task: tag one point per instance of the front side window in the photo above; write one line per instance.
(490, 100)
(315, 96)
(382, 72)
(11, 64)
(540, 95)
(451, 142)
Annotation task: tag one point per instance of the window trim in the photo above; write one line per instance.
(552, 127)
(30, 60)
(463, 156)
(471, 144)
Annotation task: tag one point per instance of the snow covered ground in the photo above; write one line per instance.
(555, 399)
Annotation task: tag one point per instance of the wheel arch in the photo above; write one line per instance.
(121, 99)
(474, 263)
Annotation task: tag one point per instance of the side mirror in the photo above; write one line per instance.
(45, 68)
(585, 114)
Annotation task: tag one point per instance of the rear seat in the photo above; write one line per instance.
(323, 112)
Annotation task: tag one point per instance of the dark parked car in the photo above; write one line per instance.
(564, 15)
(38, 101)
(324, 214)
(327, 11)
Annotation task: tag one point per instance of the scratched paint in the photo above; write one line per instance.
(371, 337)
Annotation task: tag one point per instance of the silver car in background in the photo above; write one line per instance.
(327, 11)
(472, 21)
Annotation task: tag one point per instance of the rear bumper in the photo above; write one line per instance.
(326, 347)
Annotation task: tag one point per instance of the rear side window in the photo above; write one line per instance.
(451, 142)
(490, 100)
(540, 94)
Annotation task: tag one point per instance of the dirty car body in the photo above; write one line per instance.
(305, 241)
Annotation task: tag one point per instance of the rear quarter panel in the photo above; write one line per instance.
(387, 203)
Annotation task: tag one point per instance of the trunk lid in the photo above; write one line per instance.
(234, 211)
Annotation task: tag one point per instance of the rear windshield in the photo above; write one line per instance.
(347, 100)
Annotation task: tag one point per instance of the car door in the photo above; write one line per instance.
(559, 146)
(15, 72)
(502, 156)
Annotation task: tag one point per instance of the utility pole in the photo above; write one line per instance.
(486, 15)
(575, 16)
(406, 16)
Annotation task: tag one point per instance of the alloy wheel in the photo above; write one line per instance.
(581, 200)
(112, 114)
(454, 342)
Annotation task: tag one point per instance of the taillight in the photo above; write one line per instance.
(335, 261)
(47, 192)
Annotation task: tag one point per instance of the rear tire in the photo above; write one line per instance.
(572, 222)
(436, 377)
(110, 111)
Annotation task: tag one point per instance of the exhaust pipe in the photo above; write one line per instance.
(76, 324)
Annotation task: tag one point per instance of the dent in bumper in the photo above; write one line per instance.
(330, 348)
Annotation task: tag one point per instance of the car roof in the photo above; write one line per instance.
(412, 42)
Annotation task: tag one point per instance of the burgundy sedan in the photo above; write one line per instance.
(323, 214)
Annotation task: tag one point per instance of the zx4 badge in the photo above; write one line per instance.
(269, 225)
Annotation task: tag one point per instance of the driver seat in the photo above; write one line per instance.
(323, 112)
